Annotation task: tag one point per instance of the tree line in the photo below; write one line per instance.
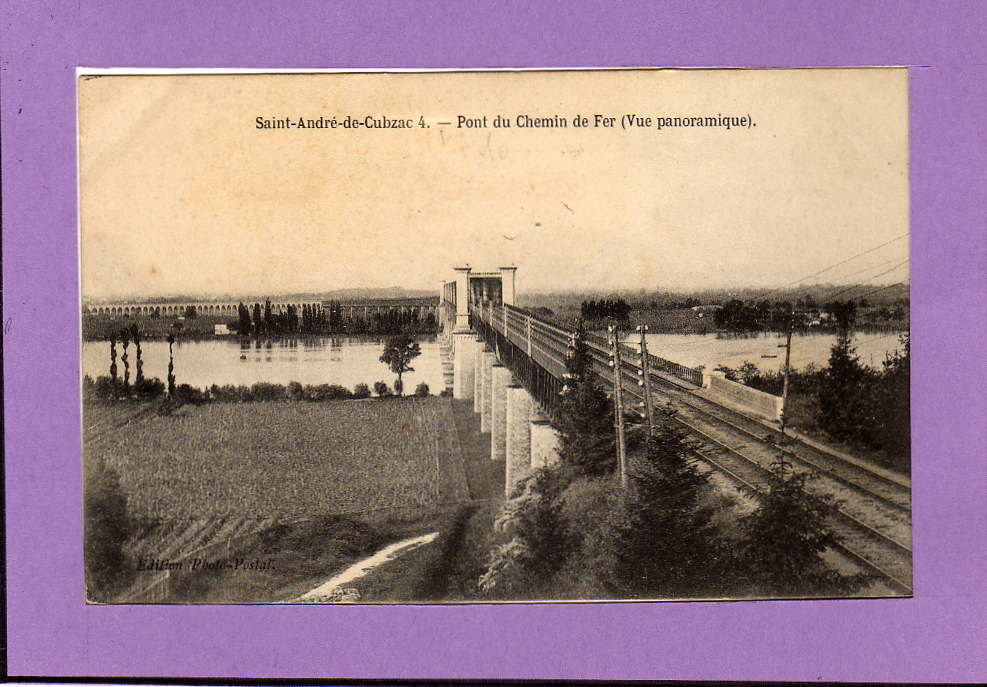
(605, 308)
(259, 320)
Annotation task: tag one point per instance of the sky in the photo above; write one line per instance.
(181, 193)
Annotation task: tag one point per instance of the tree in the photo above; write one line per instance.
(171, 366)
(125, 342)
(398, 353)
(585, 418)
(113, 357)
(135, 335)
(891, 398)
(243, 328)
(783, 540)
(842, 407)
(664, 544)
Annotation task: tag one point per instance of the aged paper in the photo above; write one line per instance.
(259, 251)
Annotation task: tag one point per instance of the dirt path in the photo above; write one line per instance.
(331, 590)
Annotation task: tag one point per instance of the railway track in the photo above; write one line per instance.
(888, 559)
(871, 515)
(872, 512)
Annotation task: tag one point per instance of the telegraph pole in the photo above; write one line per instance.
(645, 374)
(788, 360)
(618, 404)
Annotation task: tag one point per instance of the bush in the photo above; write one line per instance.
(422, 390)
(107, 527)
(381, 389)
(538, 542)
(784, 539)
(88, 387)
(361, 390)
(229, 393)
(149, 388)
(295, 391)
(326, 392)
(264, 391)
(106, 389)
(189, 394)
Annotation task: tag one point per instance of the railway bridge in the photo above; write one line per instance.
(511, 364)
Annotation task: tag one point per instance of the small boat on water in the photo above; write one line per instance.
(769, 355)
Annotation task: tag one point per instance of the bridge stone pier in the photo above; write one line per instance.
(512, 396)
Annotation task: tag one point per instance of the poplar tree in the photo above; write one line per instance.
(135, 335)
(125, 342)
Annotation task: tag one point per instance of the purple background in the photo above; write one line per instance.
(940, 635)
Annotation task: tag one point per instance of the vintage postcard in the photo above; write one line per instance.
(495, 336)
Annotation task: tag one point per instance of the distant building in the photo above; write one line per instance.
(705, 308)
(221, 330)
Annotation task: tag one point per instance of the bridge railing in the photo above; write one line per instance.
(547, 344)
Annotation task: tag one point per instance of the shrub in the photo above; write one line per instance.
(149, 388)
(538, 542)
(361, 390)
(264, 391)
(105, 388)
(326, 392)
(785, 537)
(586, 507)
(421, 390)
(295, 391)
(229, 393)
(107, 527)
(380, 388)
(189, 394)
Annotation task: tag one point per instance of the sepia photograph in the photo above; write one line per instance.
(472, 337)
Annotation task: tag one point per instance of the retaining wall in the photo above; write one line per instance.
(758, 402)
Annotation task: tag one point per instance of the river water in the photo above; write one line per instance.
(766, 350)
(351, 360)
(323, 360)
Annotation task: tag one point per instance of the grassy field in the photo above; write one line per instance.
(310, 486)
(280, 460)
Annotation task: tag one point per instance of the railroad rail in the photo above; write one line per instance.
(872, 514)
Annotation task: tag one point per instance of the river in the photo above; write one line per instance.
(351, 360)
(766, 350)
(318, 360)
